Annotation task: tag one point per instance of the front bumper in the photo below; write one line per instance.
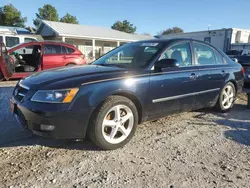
(67, 124)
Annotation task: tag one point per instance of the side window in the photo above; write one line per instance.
(12, 41)
(219, 58)
(1, 39)
(204, 54)
(181, 52)
(25, 50)
(70, 50)
(52, 49)
(29, 40)
(133, 55)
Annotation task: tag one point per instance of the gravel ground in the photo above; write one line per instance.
(195, 149)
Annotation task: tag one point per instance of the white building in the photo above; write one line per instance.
(92, 41)
(220, 38)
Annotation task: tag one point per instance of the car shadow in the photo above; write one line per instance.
(13, 135)
(19, 136)
(237, 121)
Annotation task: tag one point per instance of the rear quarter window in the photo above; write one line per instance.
(70, 50)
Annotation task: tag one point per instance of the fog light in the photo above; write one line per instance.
(248, 76)
(47, 127)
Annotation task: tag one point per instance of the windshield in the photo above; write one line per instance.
(132, 55)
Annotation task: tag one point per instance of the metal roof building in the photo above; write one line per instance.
(93, 41)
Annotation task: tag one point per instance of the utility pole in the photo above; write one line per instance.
(208, 27)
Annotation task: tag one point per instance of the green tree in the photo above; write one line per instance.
(124, 26)
(68, 18)
(47, 12)
(172, 31)
(10, 16)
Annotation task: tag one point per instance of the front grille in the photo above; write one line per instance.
(20, 92)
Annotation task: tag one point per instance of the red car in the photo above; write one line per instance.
(27, 58)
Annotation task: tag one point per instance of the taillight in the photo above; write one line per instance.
(243, 70)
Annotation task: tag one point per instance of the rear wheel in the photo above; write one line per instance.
(226, 98)
(114, 123)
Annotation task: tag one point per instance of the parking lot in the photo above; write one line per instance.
(196, 149)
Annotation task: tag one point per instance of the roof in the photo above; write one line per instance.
(94, 32)
(44, 42)
(199, 32)
(18, 30)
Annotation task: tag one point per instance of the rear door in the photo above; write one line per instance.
(5, 64)
(213, 72)
(53, 56)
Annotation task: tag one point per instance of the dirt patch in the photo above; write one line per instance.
(195, 149)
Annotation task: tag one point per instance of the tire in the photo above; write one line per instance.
(227, 91)
(113, 134)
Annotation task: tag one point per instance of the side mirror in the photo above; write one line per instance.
(167, 63)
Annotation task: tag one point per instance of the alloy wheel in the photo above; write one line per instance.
(228, 96)
(117, 124)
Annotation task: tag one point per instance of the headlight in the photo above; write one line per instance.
(55, 96)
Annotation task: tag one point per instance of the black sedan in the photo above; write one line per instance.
(134, 83)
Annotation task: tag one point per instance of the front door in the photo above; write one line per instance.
(5, 64)
(213, 73)
(173, 89)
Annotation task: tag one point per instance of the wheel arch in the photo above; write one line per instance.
(128, 95)
(234, 83)
(135, 100)
(70, 64)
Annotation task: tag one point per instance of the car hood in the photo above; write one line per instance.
(74, 75)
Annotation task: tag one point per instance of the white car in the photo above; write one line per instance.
(11, 39)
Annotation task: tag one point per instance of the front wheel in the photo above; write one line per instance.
(114, 123)
(226, 98)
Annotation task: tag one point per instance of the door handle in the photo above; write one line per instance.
(193, 76)
(223, 73)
